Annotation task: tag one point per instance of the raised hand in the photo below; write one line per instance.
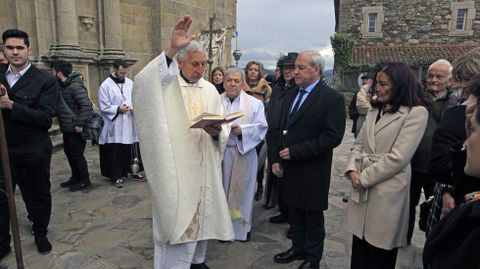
(180, 37)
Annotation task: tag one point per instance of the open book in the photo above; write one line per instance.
(208, 119)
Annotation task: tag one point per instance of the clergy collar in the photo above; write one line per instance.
(234, 99)
(117, 79)
(187, 80)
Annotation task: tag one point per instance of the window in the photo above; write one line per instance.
(463, 14)
(461, 19)
(372, 22)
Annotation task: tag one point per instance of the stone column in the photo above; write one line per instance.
(67, 29)
(113, 28)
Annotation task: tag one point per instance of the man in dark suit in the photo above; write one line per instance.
(313, 124)
(27, 107)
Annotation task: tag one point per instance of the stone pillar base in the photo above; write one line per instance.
(66, 50)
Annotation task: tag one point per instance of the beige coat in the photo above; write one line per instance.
(363, 105)
(382, 152)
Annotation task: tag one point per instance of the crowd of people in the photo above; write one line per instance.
(409, 136)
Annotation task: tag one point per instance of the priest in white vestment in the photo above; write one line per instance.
(183, 165)
(240, 160)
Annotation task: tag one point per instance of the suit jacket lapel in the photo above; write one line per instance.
(23, 81)
(388, 118)
(370, 131)
(307, 103)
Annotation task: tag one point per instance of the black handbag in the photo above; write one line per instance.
(93, 128)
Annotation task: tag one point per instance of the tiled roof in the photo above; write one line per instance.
(413, 56)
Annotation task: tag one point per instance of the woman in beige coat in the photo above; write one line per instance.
(379, 167)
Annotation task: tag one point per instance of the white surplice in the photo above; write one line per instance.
(253, 132)
(183, 165)
(120, 129)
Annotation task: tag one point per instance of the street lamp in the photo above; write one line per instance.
(236, 55)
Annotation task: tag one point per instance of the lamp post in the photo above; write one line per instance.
(237, 54)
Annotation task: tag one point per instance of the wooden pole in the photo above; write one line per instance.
(7, 175)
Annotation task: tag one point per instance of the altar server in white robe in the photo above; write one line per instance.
(183, 165)
(119, 133)
(240, 161)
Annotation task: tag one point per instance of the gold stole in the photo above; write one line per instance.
(240, 167)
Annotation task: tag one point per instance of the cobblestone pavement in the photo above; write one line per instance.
(106, 227)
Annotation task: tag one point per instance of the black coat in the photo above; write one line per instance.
(35, 101)
(273, 111)
(447, 163)
(455, 240)
(76, 97)
(313, 132)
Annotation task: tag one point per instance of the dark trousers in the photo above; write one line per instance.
(282, 207)
(419, 180)
(32, 175)
(260, 174)
(308, 229)
(366, 256)
(274, 193)
(74, 148)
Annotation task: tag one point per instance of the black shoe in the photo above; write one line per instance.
(279, 219)
(199, 266)
(290, 233)
(288, 256)
(4, 251)
(82, 185)
(68, 183)
(43, 245)
(309, 265)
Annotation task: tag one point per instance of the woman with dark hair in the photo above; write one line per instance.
(217, 79)
(379, 167)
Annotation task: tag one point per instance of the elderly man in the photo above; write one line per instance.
(240, 160)
(312, 123)
(183, 164)
(283, 84)
(438, 81)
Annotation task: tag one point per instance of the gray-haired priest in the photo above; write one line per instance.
(183, 164)
(241, 161)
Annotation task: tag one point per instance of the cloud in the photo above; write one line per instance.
(268, 28)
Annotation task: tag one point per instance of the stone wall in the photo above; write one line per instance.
(407, 22)
(92, 33)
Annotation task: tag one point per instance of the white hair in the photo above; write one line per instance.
(235, 70)
(444, 63)
(316, 59)
(194, 46)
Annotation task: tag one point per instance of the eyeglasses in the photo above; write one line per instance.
(15, 47)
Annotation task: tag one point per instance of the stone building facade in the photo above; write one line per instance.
(415, 32)
(392, 22)
(93, 33)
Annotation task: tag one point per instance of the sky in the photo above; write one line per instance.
(267, 28)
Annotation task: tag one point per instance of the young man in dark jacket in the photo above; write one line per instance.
(27, 107)
(72, 119)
